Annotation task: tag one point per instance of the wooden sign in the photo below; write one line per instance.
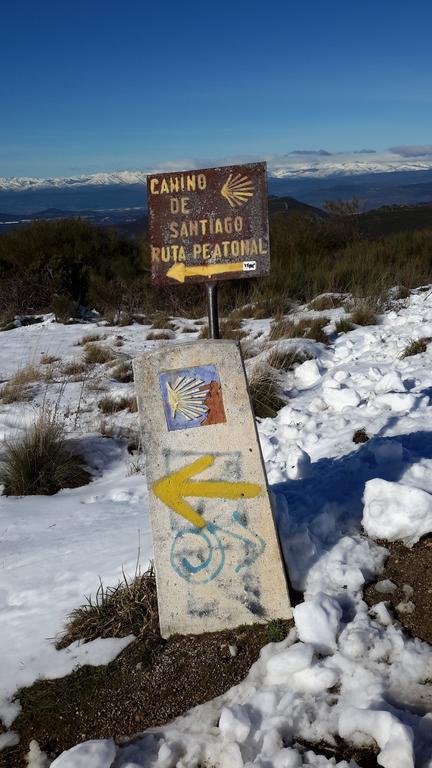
(216, 550)
(209, 224)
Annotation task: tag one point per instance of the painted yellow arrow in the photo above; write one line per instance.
(172, 489)
(180, 271)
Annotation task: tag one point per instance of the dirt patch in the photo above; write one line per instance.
(364, 758)
(149, 684)
(410, 570)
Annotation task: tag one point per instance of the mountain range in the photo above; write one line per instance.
(390, 178)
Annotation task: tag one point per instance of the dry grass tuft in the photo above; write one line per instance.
(17, 388)
(158, 336)
(248, 349)
(75, 368)
(114, 405)
(228, 329)
(96, 353)
(89, 338)
(326, 301)
(162, 322)
(363, 314)
(285, 361)
(129, 608)
(133, 404)
(49, 359)
(282, 329)
(307, 328)
(242, 313)
(123, 372)
(264, 392)
(40, 462)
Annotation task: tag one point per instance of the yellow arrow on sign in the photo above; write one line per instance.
(180, 272)
(172, 489)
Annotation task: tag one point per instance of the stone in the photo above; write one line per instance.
(216, 552)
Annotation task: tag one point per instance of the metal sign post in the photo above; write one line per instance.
(213, 310)
(209, 225)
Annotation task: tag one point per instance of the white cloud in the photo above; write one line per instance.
(422, 150)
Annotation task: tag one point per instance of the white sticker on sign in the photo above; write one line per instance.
(249, 266)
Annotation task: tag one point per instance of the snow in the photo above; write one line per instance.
(345, 671)
(396, 512)
(318, 622)
(97, 754)
(292, 165)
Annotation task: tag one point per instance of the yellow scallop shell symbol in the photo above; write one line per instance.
(187, 397)
(237, 189)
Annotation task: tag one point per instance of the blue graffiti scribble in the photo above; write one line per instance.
(214, 560)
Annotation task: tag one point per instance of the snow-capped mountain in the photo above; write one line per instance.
(295, 165)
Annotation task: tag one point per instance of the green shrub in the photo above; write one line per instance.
(416, 347)
(264, 392)
(277, 630)
(40, 461)
(130, 608)
(64, 308)
(343, 325)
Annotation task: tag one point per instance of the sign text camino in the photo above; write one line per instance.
(209, 224)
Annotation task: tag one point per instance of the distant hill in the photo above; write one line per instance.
(391, 219)
(291, 205)
(378, 222)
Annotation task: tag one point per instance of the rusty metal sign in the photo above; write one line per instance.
(209, 224)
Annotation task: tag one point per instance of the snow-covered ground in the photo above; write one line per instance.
(346, 671)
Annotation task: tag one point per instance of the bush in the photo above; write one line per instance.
(40, 462)
(326, 301)
(159, 336)
(306, 328)
(64, 308)
(285, 361)
(96, 353)
(113, 405)
(74, 368)
(17, 388)
(264, 392)
(89, 338)
(343, 325)
(416, 347)
(129, 608)
(162, 322)
(316, 330)
(123, 372)
(364, 315)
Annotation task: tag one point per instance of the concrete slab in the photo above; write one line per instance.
(217, 557)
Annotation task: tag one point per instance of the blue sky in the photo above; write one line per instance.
(98, 86)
